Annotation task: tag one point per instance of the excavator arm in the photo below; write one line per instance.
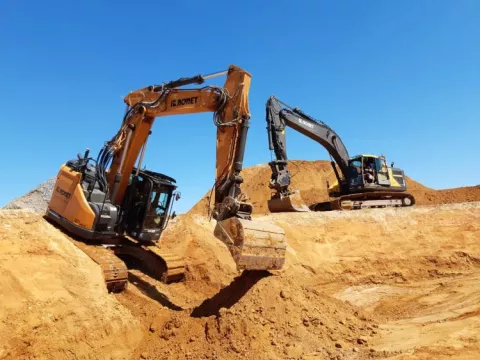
(231, 116)
(278, 118)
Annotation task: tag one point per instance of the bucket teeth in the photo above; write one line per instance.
(253, 245)
(290, 203)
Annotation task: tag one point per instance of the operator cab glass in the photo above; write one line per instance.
(368, 171)
(355, 169)
(158, 206)
(148, 203)
(383, 178)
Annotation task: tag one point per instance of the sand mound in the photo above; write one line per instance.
(310, 177)
(258, 316)
(54, 304)
(427, 196)
(365, 284)
(356, 285)
(36, 199)
(220, 314)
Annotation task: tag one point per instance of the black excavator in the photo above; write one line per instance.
(362, 181)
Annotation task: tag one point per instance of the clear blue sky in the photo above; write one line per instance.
(400, 78)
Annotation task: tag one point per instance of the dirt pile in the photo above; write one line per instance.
(310, 177)
(54, 304)
(377, 283)
(256, 316)
(356, 285)
(427, 196)
(36, 199)
(218, 313)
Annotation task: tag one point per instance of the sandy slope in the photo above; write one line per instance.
(380, 283)
(53, 302)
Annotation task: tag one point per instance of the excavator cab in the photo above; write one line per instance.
(368, 171)
(148, 202)
(355, 167)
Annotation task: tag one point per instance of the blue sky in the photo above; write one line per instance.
(400, 78)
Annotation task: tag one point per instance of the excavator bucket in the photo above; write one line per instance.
(290, 203)
(253, 245)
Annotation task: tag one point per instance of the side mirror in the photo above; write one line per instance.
(174, 215)
(178, 195)
(392, 164)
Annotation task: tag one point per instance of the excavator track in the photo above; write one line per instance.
(164, 266)
(376, 199)
(114, 270)
(174, 263)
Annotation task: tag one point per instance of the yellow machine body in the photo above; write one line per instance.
(69, 200)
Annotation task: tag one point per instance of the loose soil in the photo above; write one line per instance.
(370, 284)
(54, 304)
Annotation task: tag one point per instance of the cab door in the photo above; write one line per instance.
(355, 173)
(141, 188)
(382, 172)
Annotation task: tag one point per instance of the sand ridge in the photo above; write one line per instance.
(310, 177)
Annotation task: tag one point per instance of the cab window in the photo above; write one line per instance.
(157, 212)
(381, 165)
(355, 167)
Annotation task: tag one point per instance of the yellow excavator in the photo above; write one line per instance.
(113, 208)
(362, 181)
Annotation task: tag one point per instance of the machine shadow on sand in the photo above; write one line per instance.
(152, 292)
(230, 295)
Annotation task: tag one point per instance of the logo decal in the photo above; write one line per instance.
(306, 123)
(186, 101)
(63, 192)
